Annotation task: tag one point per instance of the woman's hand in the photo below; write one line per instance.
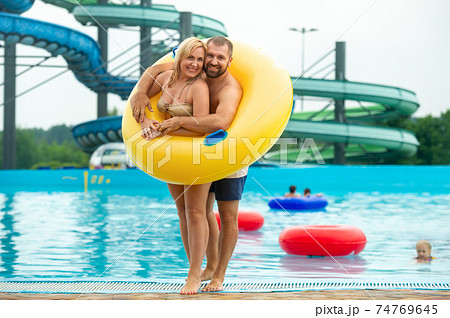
(149, 129)
(150, 134)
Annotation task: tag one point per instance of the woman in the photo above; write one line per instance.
(185, 93)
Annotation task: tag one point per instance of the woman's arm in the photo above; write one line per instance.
(158, 84)
(139, 100)
(200, 98)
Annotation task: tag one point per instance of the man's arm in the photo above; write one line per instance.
(229, 100)
(139, 100)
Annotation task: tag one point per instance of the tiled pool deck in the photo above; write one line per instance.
(373, 294)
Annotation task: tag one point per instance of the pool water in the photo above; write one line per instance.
(126, 226)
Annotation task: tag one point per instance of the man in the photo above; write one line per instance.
(292, 192)
(225, 94)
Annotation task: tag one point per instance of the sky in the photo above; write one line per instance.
(402, 43)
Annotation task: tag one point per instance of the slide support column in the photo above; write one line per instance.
(102, 97)
(146, 42)
(185, 25)
(9, 111)
(339, 104)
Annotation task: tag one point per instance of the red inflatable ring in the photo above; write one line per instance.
(322, 240)
(247, 220)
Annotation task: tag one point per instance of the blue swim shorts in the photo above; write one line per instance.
(228, 189)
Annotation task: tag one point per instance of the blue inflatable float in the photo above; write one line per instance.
(298, 204)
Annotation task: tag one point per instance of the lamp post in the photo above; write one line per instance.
(303, 31)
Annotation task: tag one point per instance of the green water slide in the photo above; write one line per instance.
(363, 141)
(159, 16)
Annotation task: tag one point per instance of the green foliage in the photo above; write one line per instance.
(433, 133)
(57, 165)
(57, 134)
(113, 112)
(54, 148)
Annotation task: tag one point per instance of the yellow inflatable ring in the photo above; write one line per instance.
(260, 120)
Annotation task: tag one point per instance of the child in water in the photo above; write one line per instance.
(423, 249)
(307, 193)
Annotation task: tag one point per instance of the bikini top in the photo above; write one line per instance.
(179, 109)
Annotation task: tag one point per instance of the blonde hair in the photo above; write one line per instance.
(424, 242)
(184, 50)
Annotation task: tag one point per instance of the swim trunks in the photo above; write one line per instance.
(228, 189)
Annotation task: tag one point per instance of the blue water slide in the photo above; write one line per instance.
(92, 134)
(15, 6)
(81, 52)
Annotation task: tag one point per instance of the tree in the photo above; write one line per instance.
(433, 133)
(55, 148)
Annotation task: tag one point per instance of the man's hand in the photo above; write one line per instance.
(139, 101)
(169, 125)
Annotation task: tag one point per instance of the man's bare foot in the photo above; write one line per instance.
(214, 285)
(191, 287)
(207, 274)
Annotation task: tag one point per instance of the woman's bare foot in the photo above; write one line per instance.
(191, 287)
(214, 285)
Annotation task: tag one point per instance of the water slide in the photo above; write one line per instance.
(82, 54)
(363, 141)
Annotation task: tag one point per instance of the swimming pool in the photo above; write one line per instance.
(125, 227)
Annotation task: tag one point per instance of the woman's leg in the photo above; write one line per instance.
(212, 251)
(177, 193)
(197, 227)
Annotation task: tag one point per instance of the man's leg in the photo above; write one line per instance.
(229, 232)
(212, 252)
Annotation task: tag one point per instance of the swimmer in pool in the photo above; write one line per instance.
(423, 249)
(307, 193)
(292, 192)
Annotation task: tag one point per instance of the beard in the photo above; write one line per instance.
(214, 73)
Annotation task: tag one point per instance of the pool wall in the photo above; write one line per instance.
(326, 178)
